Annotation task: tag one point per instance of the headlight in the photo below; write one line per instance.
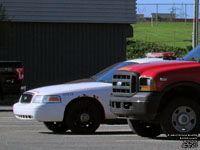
(147, 84)
(51, 99)
(37, 99)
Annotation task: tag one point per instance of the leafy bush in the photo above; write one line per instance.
(137, 49)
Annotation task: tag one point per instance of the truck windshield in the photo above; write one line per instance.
(193, 54)
(106, 74)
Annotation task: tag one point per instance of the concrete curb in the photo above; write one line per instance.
(6, 108)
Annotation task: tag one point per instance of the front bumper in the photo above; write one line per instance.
(39, 112)
(142, 106)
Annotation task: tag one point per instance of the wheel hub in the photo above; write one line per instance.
(184, 119)
(84, 117)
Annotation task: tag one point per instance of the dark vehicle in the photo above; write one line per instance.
(11, 78)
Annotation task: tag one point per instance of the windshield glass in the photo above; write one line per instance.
(106, 74)
(193, 54)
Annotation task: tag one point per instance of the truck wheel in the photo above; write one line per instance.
(83, 117)
(144, 129)
(58, 127)
(181, 116)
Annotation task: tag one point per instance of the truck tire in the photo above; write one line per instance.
(144, 129)
(57, 127)
(83, 117)
(181, 116)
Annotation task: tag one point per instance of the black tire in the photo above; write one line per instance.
(83, 117)
(144, 129)
(1, 92)
(181, 116)
(57, 127)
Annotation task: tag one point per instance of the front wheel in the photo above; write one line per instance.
(181, 116)
(57, 127)
(83, 117)
(144, 129)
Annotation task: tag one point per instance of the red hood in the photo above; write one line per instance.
(173, 71)
(154, 68)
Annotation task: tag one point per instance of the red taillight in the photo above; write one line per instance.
(20, 72)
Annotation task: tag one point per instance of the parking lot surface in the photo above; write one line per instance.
(32, 135)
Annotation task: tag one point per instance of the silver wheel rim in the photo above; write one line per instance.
(184, 119)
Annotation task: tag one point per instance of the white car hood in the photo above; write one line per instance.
(66, 88)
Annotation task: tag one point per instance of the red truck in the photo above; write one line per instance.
(159, 97)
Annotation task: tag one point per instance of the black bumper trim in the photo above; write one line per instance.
(141, 106)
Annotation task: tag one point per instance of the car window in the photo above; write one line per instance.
(106, 74)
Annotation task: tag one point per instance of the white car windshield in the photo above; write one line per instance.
(106, 74)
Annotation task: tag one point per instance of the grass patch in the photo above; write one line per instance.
(174, 34)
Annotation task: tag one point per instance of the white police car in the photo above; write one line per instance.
(80, 106)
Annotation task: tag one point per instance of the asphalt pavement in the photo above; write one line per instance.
(32, 135)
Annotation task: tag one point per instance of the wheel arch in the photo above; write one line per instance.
(92, 99)
(186, 89)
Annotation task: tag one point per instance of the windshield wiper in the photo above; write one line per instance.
(194, 59)
(102, 81)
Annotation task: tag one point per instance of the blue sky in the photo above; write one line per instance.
(182, 8)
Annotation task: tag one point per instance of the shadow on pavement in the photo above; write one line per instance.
(96, 133)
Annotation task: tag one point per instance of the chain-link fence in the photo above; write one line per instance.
(170, 24)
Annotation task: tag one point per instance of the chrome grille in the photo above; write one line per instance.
(124, 83)
(26, 98)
